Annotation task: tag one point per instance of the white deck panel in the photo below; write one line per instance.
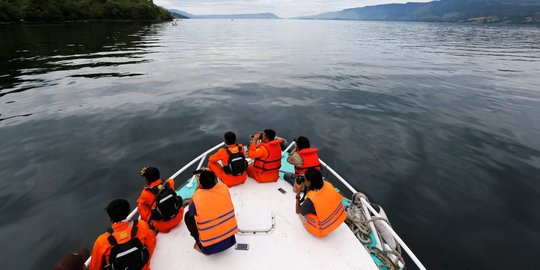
(287, 246)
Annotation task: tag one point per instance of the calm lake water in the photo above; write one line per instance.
(439, 123)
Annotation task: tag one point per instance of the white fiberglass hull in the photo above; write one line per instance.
(287, 246)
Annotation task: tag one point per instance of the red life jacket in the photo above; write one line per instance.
(329, 208)
(310, 159)
(215, 216)
(273, 161)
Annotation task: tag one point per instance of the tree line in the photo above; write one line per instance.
(73, 10)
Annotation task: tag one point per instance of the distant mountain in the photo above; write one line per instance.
(476, 11)
(226, 16)
(177, 15)
(180, 12)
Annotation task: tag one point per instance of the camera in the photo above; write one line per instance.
(256, 132)
(299, 178)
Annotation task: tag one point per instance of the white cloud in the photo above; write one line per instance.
(282, 8)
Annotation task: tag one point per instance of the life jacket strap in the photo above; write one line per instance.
(156, 190)
(262, 167)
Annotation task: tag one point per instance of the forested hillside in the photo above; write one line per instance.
(71, 10)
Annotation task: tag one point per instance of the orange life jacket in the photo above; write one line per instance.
(329, 208)
(310, 159)
(215, 217)
(273, 161)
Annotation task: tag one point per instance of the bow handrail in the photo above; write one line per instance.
(367, 207)
(201, 157)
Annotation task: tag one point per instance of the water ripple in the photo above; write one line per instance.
(437, 122)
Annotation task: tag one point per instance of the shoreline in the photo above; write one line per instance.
(467, 22)
(84, 21)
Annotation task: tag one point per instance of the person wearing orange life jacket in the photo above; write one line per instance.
(302, 157)
(158, 204)
(233, 172)
(210, 219)
(266, 155)
(128, 244)
(323, 206)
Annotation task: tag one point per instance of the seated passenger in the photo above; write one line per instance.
(302, 157)
(210, 219)
(73, 261)
(233, 171)
(128, 244)
(158, 204)
(266, 155)
(323, 207)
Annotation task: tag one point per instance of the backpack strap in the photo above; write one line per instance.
(153, 190)
(111, 238)
(157, 190)
(134, 229)
(226, 168)
(228, 151)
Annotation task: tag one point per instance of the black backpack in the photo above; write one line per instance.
(237, 162)
(130, 255)
(167, 202)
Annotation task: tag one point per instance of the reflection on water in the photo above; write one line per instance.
(437, 122)
(37, 56)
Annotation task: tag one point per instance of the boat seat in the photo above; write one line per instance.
(253, 220)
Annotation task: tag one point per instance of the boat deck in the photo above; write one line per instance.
(287, 245)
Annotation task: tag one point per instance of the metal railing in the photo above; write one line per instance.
(201, 158)
(371, 224)
(367, 206)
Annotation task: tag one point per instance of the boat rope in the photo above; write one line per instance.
(359, 225)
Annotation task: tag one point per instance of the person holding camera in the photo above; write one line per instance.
(323, 206)
(233, 171)
(211, 220)
(266, 155)
(302, 157)
(158, 204)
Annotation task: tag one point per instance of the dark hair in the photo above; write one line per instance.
(151, 174)
(230, 138)
(270, 134)
(315, 177)
(118, 210)
(207, 179)
(302, 142)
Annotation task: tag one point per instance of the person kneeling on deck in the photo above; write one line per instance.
(210, 218)
(266, 155)
(233, 171)
(323, 207)
(158, 204)
(302, 157)
(129, 244)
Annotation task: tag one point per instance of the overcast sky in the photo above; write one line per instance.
(282, 8)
